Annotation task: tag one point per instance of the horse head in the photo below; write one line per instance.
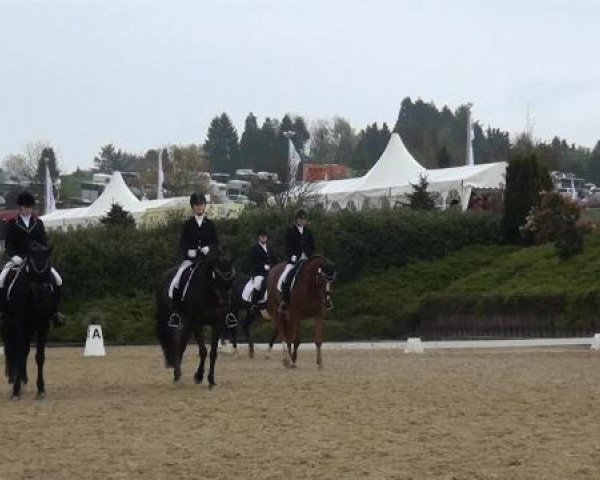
(324, 274)
(38, 262)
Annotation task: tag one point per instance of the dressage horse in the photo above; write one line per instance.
(308, 299)
(246, 313)
(29, 308)
(206, 303)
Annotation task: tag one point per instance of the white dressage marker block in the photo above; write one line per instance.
(596, 342)
(94, 343)
(414, 345)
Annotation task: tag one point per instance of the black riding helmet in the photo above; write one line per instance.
(301, 215)
(25, 199)
(262, 231)
(197, 199)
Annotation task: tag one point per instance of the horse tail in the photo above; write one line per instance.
(164, 333)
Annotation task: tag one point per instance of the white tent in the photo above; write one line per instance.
(116, 191)
(391, 178)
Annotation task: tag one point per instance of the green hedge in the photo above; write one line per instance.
(110, 273)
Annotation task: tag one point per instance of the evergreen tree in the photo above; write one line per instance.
(250, 144)
(593, 172)
(268, 147)
(109, 159)
(421, 199)
(47, 157)
(443, 158)
(525, 179)
(221, 145)
(118, 217)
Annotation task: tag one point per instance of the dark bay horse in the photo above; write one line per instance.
(207, 303)
(246, 313)
(307, 300)
(28, 313)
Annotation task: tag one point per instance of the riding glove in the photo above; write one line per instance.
(191, 253)
(16, 260)
(294, 258)
(205, 250)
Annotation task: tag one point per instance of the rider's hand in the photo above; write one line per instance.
(192, 253)
(205, 250)
(16, 260)
(266, 267)
(294, 258)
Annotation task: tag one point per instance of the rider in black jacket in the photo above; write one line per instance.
(198, 237)
(262, 258)
(21, 232)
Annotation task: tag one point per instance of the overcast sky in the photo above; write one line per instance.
(143, 73)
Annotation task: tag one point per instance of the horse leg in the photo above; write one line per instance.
(214, 346)
(181, 340)
(319, 330)
(246, 328)
(283, 327)
(19, 360)
(40, 357)
(199, 334)
(295, 327)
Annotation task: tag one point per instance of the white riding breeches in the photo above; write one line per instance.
(177, 278)
(9, 265)
(258, 281)
(56, 276)
(255, 283)
(284, 274)
(4, 273)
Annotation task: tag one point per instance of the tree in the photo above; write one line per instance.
(344, 140)
(268, 148)
(118, 217)
(221, 145)
(16, 165)
(421, 199)
(526, 178)
(183, 174)
(250, 143)
(443, 158)
(593, 171)
(47, 157)
(322, 146)
(370, 145)
(109, 159)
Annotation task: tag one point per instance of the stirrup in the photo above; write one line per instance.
(231, 320)
(175, 321)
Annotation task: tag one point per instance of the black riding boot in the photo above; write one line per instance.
(175, 320)
(58, 319)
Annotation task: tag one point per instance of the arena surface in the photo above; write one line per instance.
(445, 414)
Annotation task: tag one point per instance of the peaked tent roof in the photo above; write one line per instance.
(116, 191)
(396, 165)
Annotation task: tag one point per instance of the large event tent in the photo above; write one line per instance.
(116, 191)
(391, 178)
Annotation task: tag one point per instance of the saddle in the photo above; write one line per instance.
(290, 281)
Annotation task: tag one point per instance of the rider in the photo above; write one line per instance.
(262, 258)
(21, 232)
(198, 237)
(299, 245)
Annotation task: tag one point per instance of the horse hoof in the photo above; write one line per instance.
(212, 385)
(15, 397)
(293, 365)
(198, 379)
(40, 395)
(251, 354)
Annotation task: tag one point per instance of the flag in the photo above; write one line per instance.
(470, 159)
(161, 178)
(50, 203)
(294, 162)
